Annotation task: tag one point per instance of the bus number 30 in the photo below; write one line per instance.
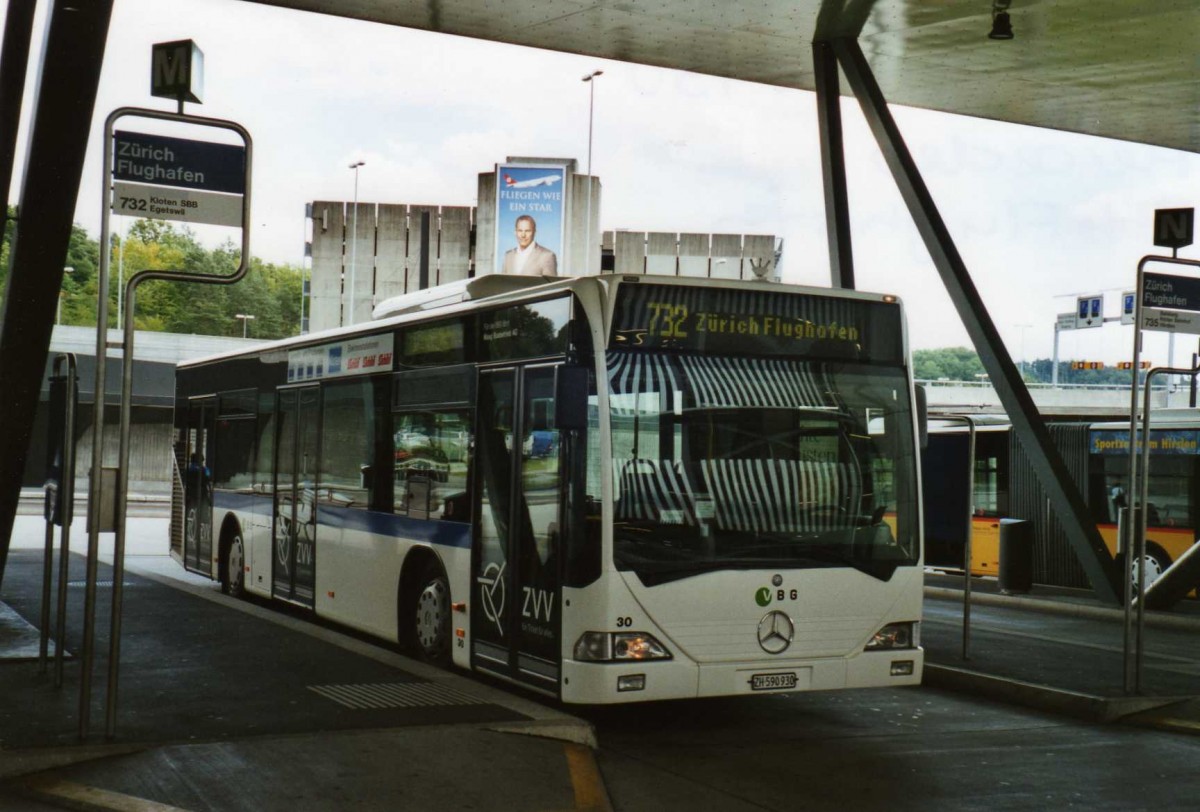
(673, 318)
(624, 622)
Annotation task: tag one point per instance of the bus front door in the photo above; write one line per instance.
(516, 584)
(293, 565)
(197, 484)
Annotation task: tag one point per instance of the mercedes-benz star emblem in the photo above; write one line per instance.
(775, 632)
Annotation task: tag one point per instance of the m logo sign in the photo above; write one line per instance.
(1173, 227)
(177, 71)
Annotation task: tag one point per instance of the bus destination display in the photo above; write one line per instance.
(662, 317)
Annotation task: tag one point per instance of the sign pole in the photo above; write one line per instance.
(173, 160)
(1170, 304)
(1054, 366)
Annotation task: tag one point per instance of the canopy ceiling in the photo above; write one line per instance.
(1123, 69)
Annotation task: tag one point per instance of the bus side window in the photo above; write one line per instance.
(431, 455)
(348, 434)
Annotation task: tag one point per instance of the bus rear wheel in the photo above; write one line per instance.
(431, 616)
(1155, 561)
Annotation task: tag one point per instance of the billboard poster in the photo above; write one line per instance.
(530, 218)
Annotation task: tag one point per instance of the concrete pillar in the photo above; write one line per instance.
(325, 305)
(661, 255)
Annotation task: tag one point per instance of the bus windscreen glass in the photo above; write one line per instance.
(723, 462)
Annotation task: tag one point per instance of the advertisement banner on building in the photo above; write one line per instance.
(530, 218)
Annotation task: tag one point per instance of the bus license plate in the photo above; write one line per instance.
(772, 682)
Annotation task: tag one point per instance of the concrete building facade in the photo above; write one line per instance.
(365, 254)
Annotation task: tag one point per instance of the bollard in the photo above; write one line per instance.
(1016, 556)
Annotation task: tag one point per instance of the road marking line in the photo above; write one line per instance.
(586, 779)
(79, 796)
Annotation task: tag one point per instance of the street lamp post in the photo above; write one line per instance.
(591, 108)
(354, 238)
(587, 226)
(245, 318)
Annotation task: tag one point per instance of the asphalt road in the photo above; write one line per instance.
(885, 750)
(917, 748)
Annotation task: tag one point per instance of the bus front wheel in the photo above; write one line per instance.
(431, 616)
(233, 573)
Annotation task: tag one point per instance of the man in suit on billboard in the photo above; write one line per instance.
(529, 258)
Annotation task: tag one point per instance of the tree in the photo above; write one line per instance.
(270, 292)
(950, 363)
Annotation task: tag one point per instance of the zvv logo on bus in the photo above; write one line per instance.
(764, 595)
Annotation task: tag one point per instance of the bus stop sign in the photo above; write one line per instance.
(1173, 227)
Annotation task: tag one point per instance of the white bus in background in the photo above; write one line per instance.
(606, 489)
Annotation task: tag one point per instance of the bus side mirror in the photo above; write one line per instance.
(922, 418)
(570, 398)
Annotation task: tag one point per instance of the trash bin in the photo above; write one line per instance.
(1016, 556)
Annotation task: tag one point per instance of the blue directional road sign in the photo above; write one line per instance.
(1089, 312)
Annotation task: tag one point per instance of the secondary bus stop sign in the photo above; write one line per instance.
(169, 178)
(1173, 227)
(1127, 306)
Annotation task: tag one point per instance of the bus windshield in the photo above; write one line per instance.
(724, 462)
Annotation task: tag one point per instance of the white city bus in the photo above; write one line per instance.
(606, 489)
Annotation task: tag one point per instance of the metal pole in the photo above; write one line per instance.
(1130, 540)
(121, 277)
(1132, 677)
(118, 567)
(1141, 517)
(590, 79)
(970, 424)
(587, 228)
(98, 403)
(47, 575)
(1192, 378)
(1054, 365)
(67, 496)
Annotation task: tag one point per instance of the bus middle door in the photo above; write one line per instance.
(197, 483)
(516, 584)
(293, 568)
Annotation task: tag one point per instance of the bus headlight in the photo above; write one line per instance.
(894, 635)
(601, 647)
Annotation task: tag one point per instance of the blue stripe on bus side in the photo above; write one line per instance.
(432, 531)
(239, 500)
(450, 534)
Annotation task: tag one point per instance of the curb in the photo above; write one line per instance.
(1086, 707)
(1154, 619)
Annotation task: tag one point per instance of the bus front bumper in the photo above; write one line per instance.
(608, 683)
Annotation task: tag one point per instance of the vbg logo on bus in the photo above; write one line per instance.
(765, 594)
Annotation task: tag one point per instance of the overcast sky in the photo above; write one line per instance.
(1038, 216)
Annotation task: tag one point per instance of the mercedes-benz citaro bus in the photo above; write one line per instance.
(606, 489)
